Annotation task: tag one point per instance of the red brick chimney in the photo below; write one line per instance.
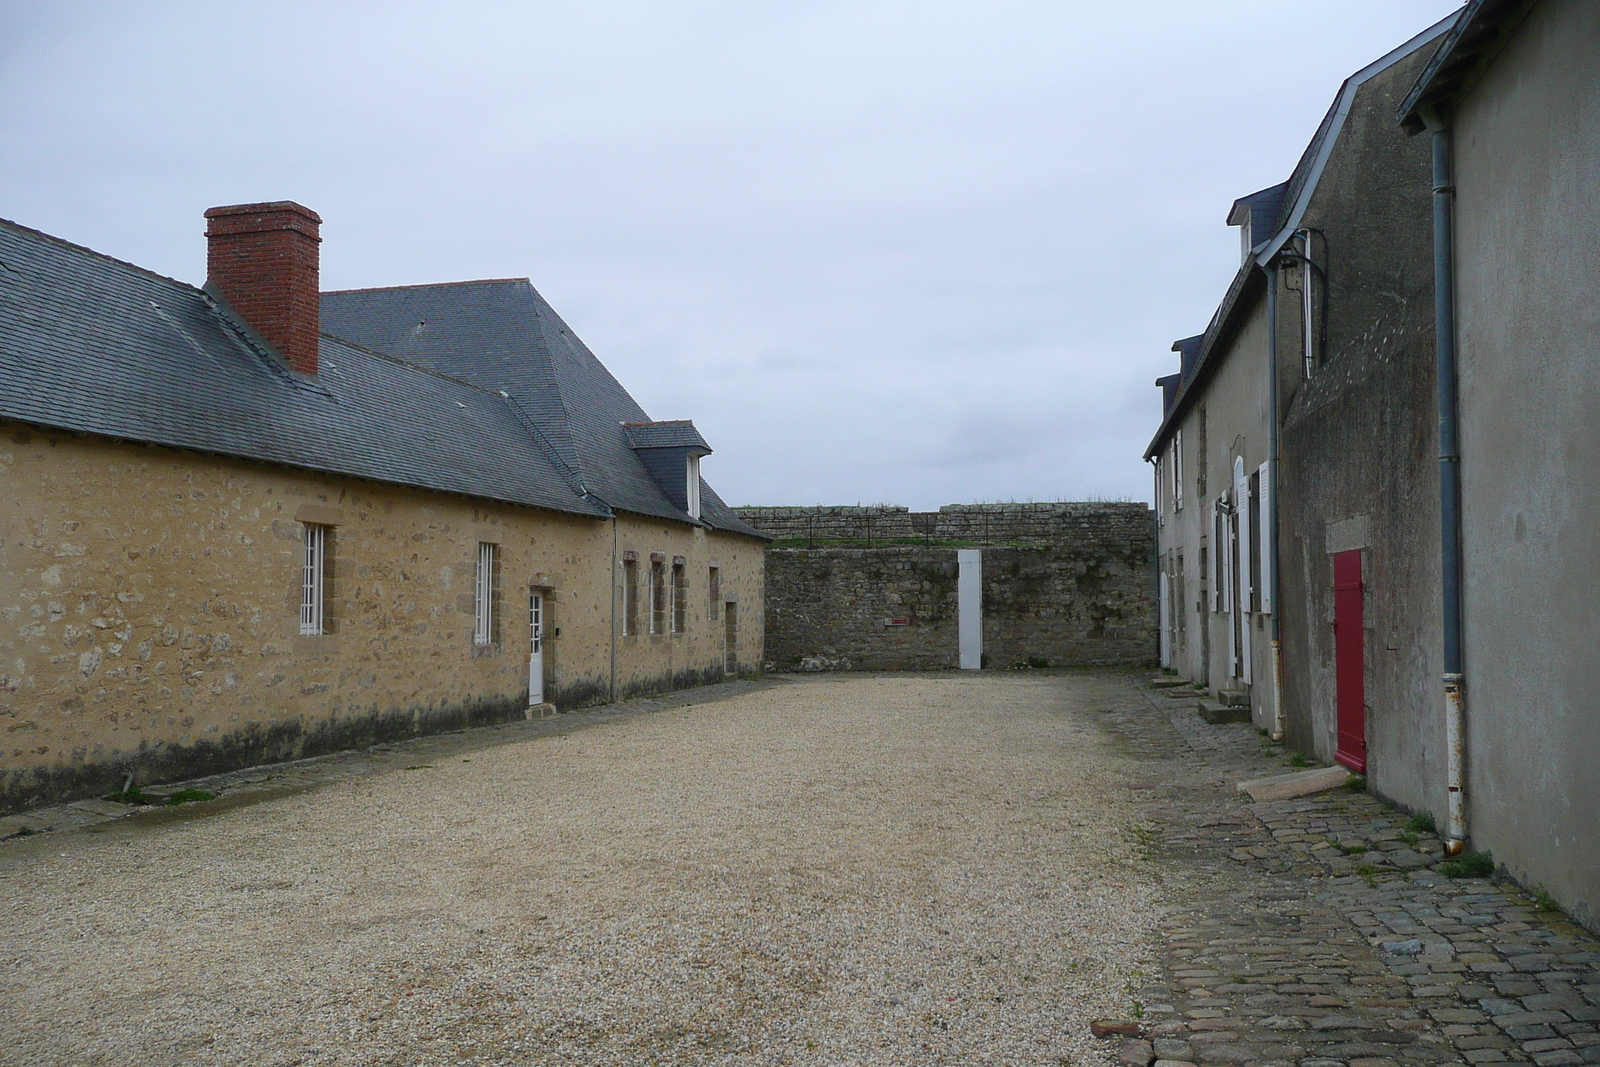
(263, 257)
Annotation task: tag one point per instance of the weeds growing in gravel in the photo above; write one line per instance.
(1468, 865)
(1422, 823)
(1350, 850)
(131, 795)
(1298, 760)
(1542, 898)
(190, 796)
(1355, 784)
(1369, 873)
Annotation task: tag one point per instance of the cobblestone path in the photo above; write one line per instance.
(1316, 931)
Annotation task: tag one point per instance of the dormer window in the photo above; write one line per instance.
(671, 453)
(1256, 216)
(1240, 217)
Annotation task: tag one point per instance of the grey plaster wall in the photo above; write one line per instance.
(1527, 144)
(1234, 413)
(1359, 452)
(1064, 584)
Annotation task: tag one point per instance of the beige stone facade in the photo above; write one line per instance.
(150, 597)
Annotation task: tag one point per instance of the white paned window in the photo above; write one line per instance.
(1241, 503)
(1265, 478)
(1177, 470)
(658, 597)
(630, 597)
(483, 596)
(694, 487)
(313, 583)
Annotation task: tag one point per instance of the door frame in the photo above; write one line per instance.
(538, 642)
(1350, 661)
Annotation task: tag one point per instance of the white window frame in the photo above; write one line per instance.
(313, 581)
(693, 486)
(630, 598)
(1177, 469)
(483, 595)
(678, 598)
(1241, 503)
(658, 594)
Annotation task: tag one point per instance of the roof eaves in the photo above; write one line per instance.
(1247, 283)
(1308, 171)
(1480, 31)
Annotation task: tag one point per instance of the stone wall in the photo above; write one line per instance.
(874, 588)
(149, 613)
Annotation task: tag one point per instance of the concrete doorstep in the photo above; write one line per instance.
(1296, 784)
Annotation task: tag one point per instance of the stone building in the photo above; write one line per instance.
(1324, 330)
(878, 588)
(1428, 531)
(252, 522)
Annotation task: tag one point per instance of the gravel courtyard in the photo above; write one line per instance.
(830, 870)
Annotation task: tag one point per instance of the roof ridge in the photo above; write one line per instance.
(63, 242)
(392, 358)
(425, 285)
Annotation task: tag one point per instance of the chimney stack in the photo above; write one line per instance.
(264, 260)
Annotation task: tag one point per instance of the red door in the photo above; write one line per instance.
(1349, 661)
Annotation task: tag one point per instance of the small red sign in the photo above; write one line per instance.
(901, 621)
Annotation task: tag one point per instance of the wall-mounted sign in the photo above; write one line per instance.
(901, 621)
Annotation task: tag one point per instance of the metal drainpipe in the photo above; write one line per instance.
(1155, 575)
(1444, 311)
(614, 579)
(1278, 717)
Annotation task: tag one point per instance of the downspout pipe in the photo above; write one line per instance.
(1278, 716)
(1155, 570)
(1444, 311)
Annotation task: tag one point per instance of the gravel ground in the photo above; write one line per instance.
(844, 869)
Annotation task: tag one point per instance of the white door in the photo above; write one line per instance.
(969, 608)
(536, 648)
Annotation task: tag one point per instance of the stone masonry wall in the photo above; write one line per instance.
(874, 588)
(149, 613)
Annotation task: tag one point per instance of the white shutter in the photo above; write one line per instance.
(1229, 535)
(1265, 533)
(1166, 621)
(1241, 504)
(1217, 543)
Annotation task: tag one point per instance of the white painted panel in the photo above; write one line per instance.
(969, 610)
(1166, 621)
(536, 649)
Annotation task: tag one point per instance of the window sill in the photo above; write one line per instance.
(481, 651)
(311, 644)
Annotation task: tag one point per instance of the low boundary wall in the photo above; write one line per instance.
(874, 588)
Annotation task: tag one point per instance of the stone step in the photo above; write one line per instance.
(1167, 682)
(1296, 784)
(1216, 714)
(1234, 698)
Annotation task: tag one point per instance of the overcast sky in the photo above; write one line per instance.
(912, 253)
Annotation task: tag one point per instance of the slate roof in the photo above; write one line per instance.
(679, 433)
(500, 334)
(95, 345)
